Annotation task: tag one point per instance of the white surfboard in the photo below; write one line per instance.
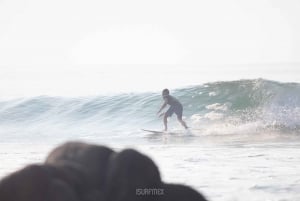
(154, 132)
(178, 132)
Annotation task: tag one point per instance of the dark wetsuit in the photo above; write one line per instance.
(175, 106)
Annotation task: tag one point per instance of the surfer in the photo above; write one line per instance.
(175, 107)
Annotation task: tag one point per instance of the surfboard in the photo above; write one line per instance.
(153, 131)
(179, 132)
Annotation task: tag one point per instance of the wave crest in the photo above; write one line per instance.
(260, 103)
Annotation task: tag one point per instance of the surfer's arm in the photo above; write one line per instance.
(162, 107)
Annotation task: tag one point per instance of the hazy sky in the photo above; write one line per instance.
(58, 36)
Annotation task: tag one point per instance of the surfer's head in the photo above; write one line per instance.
(165, 92)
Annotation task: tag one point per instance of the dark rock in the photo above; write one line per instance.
(176, 192)
(78, 171)
(129, 173)
(91, 159)
(36, 183)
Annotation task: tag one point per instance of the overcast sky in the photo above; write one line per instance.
(57, 34)
(149, 32)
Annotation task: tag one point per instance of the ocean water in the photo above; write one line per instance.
(243, 142)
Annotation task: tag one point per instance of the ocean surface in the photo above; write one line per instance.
(243, 142)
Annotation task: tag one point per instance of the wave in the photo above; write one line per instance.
(222, 107)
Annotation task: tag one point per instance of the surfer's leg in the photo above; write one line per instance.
(179, 118)
(183, 123)
(178, 112)
(168, 113)
(166, 121)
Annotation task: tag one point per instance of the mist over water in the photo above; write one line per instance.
(96, 80)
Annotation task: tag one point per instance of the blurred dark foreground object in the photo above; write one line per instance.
(77, 171)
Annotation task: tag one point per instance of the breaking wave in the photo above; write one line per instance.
(218, 107)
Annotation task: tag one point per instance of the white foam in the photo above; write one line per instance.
(217, 106)
(213, 93)
(196, 117)
(214, 115)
